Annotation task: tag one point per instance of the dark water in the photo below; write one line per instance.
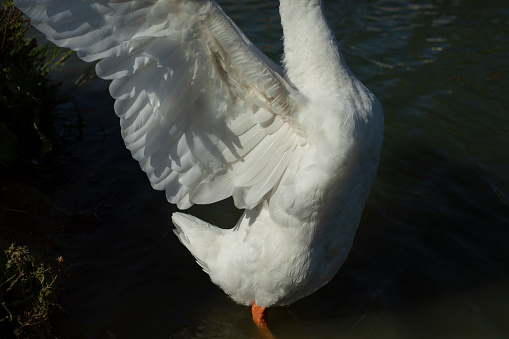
(431, 257)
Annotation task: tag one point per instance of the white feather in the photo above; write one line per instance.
(209, 116)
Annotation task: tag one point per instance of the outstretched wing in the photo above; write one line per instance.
(205, 113)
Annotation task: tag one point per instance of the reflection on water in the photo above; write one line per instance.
(430, 258)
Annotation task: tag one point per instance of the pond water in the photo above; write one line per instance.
(431, 256)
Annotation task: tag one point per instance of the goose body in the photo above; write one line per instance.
(209, 116)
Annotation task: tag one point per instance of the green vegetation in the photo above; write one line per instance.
(27, 294)
(29, 282)
(27, 96)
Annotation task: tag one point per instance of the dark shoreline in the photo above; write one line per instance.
(31, 219)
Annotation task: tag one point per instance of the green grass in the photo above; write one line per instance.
(28, 294)
(29, 283)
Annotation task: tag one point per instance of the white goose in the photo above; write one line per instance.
(209, 116)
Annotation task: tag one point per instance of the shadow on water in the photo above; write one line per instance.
(438, 269)
(430, 261)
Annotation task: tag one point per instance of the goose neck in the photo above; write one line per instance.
(312, 60)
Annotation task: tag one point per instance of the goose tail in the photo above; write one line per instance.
(200, 238)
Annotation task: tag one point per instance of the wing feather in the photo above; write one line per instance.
(206, 114)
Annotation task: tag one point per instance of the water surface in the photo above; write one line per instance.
(430, 259)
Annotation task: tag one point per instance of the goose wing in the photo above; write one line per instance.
(206, 114)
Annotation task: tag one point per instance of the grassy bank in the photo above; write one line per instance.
(29, 292)
(32, 268)
(27, 95)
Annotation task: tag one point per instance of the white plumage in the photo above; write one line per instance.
(208, 116)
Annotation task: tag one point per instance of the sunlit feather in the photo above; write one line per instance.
(208, 116)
